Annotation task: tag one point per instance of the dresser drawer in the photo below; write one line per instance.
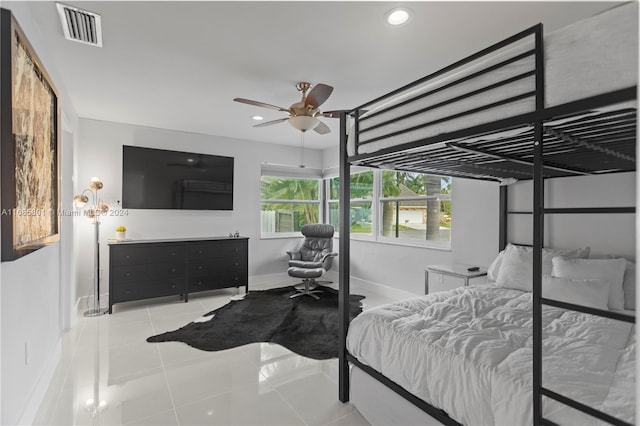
(218, 249)
(148, 272)
(216, 281)
(214, 266)
(144, 253)
(145, 290)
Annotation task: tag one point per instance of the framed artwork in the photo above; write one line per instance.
(29, 133)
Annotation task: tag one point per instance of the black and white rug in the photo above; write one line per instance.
(304, 325)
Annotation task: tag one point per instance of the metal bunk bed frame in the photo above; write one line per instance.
(542, 163)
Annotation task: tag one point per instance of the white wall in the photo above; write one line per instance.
(99, 153)
(31, 291)
(604, 233)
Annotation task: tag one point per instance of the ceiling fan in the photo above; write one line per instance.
(303, 115)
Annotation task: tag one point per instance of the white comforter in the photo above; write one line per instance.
(468, 351)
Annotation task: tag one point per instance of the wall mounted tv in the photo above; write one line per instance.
(162, 179)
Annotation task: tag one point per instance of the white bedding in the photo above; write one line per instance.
(590, 57)
(468, 352)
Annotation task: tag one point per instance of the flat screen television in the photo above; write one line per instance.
(162, 179)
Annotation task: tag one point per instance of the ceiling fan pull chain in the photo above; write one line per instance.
(302, 150)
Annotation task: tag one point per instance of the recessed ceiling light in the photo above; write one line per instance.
(258, 117)
(398, 16)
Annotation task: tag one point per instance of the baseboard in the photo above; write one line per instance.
(42, 385)
(84, 303)
(380, 289)
(263, 282)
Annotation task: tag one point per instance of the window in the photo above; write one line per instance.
(396, 206)
(415, 206)
(361, 202)
(386, 205)
(288, 203)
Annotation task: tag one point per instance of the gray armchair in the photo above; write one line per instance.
(313, 259)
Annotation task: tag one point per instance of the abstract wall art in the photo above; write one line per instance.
(29, 133)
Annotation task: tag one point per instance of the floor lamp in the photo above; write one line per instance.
(96, 209)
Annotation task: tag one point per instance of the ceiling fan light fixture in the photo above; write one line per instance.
(258, 117)
(398, 16)
(303, 122)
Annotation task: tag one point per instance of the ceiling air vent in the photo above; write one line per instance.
(80, 25)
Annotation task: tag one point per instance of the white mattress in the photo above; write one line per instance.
(590, 57)
(468, 351)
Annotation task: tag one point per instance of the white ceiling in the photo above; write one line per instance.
(178, 65)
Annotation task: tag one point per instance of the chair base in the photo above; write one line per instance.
(307, 290)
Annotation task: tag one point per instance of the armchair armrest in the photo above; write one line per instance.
(326, 258)
(294, 255)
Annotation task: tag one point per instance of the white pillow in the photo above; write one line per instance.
(516, 269)
(494, 268)
(629, 286)
(591, 293)
(611, 270)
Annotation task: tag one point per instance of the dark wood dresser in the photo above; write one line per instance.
(143, 269)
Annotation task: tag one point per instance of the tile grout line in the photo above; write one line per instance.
(164, 370)
(286, 401)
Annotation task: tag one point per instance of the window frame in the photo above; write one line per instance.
(318, 203)
(376, 207)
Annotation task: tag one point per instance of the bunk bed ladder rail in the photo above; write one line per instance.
(344, 270)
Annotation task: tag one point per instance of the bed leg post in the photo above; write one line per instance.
(344, 288)
(538, 232)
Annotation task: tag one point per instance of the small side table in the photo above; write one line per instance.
(454, 270)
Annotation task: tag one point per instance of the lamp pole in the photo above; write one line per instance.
(96, 273)
(97, 208)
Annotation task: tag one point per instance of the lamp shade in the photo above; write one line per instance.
(103, 208)
(80, 200)
(303, 122)
(95, 183)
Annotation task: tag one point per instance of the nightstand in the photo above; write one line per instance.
(457, 270)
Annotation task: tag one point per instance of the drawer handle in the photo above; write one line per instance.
(173, 269)
(236, 264)
(236, 278)
(127, 257)
(200, 283)
(172, 286)
(173, 253)
(128, 274)
(236, 249)
(199, 251)
(199, 267)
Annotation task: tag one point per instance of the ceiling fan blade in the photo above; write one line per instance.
(260, 104)
(269, 123)
(322, 128)
(318, 95)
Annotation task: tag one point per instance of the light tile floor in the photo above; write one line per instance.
(110, 375)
